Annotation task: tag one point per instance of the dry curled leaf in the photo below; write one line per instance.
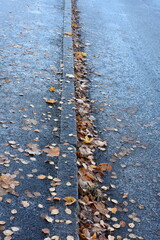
(7, 232)
(15, 229)
(88, 139)
(68, 211)
(70, 237)
(50, 100)
(69, 200)
(41, 177)
(45, 230)
(52, 89)
(113, 210)
(33, 149)
(54, 211)
(48, 219)
(68, 33)
(7, 184)
(68, 222)
(30, 121)
(25, 204)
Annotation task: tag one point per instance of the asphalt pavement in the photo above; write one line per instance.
(122, 40)
(34, 181)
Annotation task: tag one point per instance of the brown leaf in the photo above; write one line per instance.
(122, 224)
(33, 149)
(7, 183)
(45, 230)
(52, 152)
(113, 210)
(31, 121)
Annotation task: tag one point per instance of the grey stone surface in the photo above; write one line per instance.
(122, 43)
(31, 51)
(68, 115)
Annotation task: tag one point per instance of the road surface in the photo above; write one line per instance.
(122, 40)
(30, 52)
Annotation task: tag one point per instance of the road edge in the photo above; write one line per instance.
(67, 166)
(68, 115)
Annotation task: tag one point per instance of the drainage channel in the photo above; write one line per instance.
(94, 215)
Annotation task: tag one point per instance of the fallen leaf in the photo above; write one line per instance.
(116, 225)
(2, 222)
(52, 89)
(70, 237)
(45, 230)
(111, 237)
(48, 219)
(15, 229)
(122, 224)
(13, 211)
(41, 177)
(55, 237)
(69, 75)
(88, 139)
(30, 121)
(74, 25)
(52, 152)
(68, 211)
(50, 100)
(7, 232)
(68, 221)
(113, 210)
(36, 130)
(68, 33)
(54, 211)
(33, 149)
(7, 184)
(69, 200)
(25, 204)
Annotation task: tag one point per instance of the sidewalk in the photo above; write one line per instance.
(38, 134)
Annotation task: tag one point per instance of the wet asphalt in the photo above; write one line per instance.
(30, 53)
(122, 40)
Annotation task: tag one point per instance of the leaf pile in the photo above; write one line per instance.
(93, 214)
(8, 184)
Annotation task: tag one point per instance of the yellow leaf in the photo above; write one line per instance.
(50, 100)
(84, 54)
(52, 89)
(80, 55)
(68, 33)
(74, 25)
(69, 200)
(88, 139)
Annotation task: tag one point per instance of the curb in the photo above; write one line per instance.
(68, 114)
(66, 225)
(67, 161)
